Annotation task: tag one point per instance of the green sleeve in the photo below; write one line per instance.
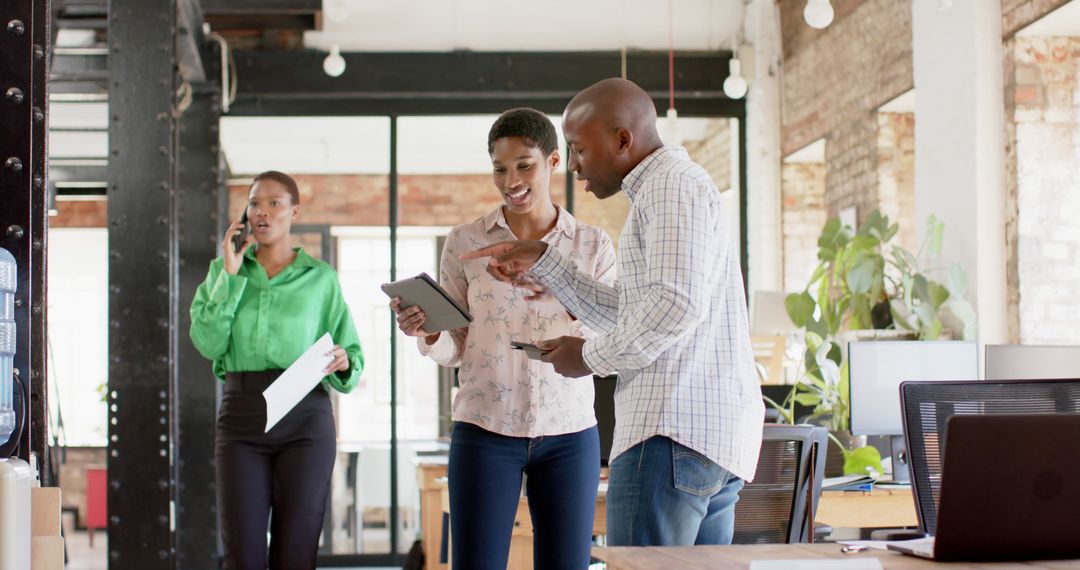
(213, 310)
(343, 330)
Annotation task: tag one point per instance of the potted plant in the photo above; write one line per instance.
(867, 286)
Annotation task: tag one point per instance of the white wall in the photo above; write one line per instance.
(959, 145)
(763, 149)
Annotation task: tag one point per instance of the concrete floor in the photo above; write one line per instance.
(81, 556)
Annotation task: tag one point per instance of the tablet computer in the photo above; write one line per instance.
(443, 313)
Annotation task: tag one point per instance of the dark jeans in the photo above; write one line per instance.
(285, 472)
(662, 493)
(485, 484)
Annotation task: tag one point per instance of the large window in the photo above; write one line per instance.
(78, 334)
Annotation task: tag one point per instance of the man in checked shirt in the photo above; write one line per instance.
(674, 327)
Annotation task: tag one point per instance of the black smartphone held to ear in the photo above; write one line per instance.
(239, 239)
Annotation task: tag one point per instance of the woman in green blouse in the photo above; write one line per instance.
(259, 309)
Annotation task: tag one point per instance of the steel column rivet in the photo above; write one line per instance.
(39, 115)
(39, 52)
(13, 164)
(16, 27)
(15, 95)
(38, 181)
(15, 232)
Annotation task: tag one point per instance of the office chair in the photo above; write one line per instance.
(778, 507)
(928, 405)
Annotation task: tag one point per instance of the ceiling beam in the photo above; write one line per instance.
(234, 15)
(293, 82)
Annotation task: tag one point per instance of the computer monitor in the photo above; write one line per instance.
(1026, 362)
(878, 367)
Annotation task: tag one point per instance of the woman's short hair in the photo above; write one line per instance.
(283, 179)
(529, 125)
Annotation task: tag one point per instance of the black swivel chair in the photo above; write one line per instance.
(778, 507)
(927, 407)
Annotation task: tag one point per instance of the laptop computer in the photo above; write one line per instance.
(1010, 490)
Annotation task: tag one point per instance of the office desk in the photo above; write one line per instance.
(733, 557)
(428, 472)
(880, 508)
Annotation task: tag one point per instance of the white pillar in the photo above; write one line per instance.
(959, 145)
(762, 26)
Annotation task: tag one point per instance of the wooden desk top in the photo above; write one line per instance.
(739, 557)
(880, 508)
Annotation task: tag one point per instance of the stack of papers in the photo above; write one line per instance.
(848, 483)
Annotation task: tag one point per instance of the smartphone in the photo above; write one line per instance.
(531, 350)
(239, 239)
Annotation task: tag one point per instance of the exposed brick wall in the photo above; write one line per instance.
(1012, 212)
(803, 187)
(714, 152)
(80, 214)
(896, 173)
(424, 200)
(1046, 115)
(1018, 14)
(833, 82)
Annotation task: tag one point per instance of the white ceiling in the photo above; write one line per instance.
(444, 145)
(520, 25)
(1065, 21)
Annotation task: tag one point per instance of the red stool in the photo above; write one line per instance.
(96, 507)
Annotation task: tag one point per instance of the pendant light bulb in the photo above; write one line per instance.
(735, 86)
(334, 64)
(818, 13)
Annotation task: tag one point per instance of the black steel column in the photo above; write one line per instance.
(142, 281)
(39, 216)
(23, 92)
(394, 515)
(200, 186)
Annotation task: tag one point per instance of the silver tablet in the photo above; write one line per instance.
(443, 313)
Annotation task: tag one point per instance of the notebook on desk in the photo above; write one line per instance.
(1010, 490)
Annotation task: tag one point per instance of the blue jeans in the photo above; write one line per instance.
(485, 484)
(662, 493)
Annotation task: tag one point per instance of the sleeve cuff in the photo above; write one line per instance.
(552, 269)
(441, 351)
(592, 354)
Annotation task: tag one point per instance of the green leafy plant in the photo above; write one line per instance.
(866, 281)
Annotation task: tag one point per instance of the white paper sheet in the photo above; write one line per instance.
(299, 379)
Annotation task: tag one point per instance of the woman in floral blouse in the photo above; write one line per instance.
(514, 415)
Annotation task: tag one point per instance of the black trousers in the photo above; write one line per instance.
(280, 478)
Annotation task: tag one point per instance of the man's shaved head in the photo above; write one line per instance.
(616, 103)
(611, 127)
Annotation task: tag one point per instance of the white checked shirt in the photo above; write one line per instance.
(502, 390)
(674, 326)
